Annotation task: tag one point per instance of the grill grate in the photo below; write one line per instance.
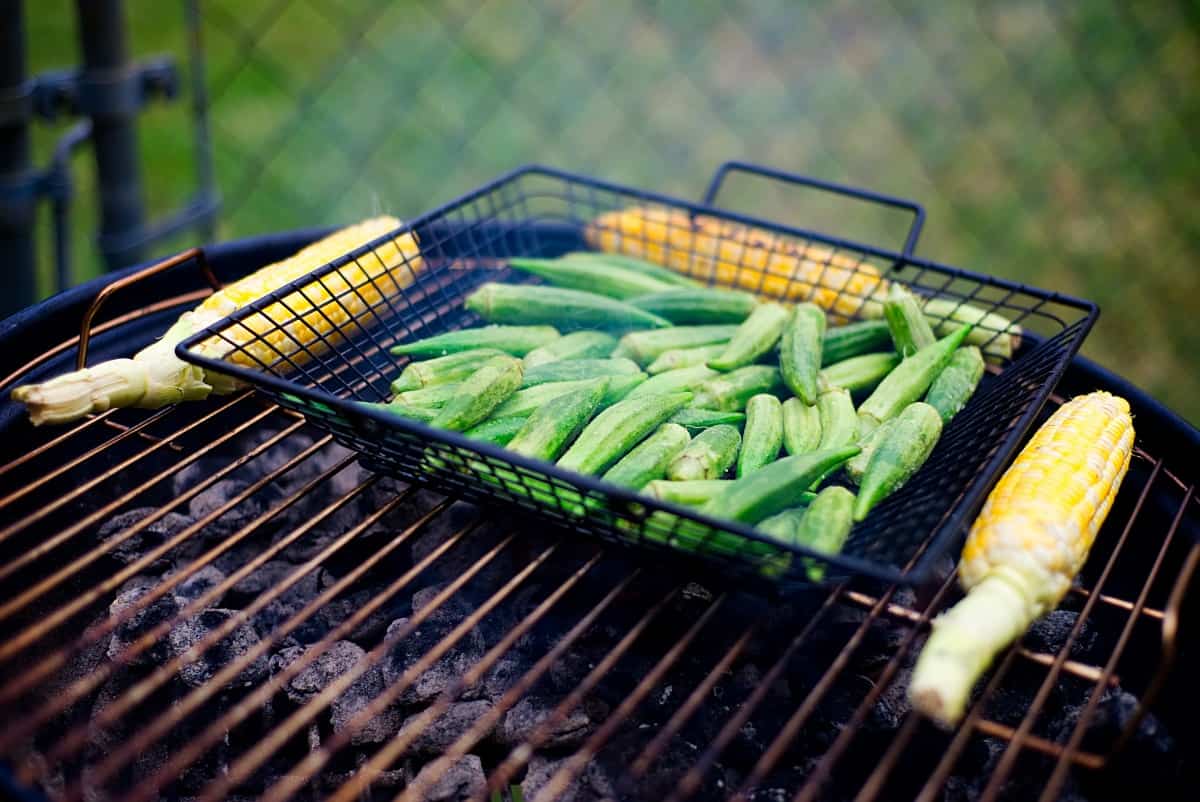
(504, 607)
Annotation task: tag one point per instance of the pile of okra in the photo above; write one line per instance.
(748, 410)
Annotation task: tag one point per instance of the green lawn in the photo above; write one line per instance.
(1051, 143)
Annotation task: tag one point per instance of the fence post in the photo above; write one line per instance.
(110, 92)
(18, 180)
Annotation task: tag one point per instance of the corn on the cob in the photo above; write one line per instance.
(778, 267)
(734, 254)
(1028, 543)
(301, 322)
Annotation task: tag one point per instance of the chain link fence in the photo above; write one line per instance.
(1054, 143)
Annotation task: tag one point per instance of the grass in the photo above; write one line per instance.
(1051, 144)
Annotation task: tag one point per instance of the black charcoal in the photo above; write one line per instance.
(233, 647)
(436, 736)
(529, 714)
(151, 537)
(339, 658)
(462, 780)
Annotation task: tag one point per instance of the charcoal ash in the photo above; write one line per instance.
(592, 786)
(530, 712)
(147, 616)
(434, 737)
(150, 537)
(321, 672)
(462, 780)
(447, 669)
(356, 698)
(461, 557)
(1049, 634)
(231, 648)
(262, 578)
(388, 780)
(197, 583)
(370, 631)
(289, 603)
(222, 525)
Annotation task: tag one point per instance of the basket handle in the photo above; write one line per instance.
(915, 209)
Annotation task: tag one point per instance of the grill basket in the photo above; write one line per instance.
(539, 211)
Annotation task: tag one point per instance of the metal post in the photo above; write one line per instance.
(18, 181)
(204, 159)
(110, 93)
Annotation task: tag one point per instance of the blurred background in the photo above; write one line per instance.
(1052, 143)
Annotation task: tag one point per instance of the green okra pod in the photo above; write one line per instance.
(753, 338)
(763, 435)
(955, 385)
(619, 428)
(907, 323)
(776, 486)
(691, 493)
(825, 526)
(569, 370)
(591, 276)
(730, 391)
(515, 340)
(649, 460)
(499, 431)
(684, 306)
(638, 265)
(423, 414)
(551, 428)
(696, 420)
(708, 456)
(854, 339)
(674, 381)
(898, 455)
(434, 397)
(800, 351)
(858, 464)
(528, 400)
(576, 345)
(838, 421)
(801, 427)
(859, 374)
(442, 370)
(908, 382)
(783, 526)
(480, 393)
(678, 358)
(526, 304)
(644, 347)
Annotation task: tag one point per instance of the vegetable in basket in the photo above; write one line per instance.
(303, 321)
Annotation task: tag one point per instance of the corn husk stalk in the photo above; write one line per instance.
(293, 327)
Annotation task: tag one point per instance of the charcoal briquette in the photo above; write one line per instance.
(462, 780)
(233, 647)
(150, 537)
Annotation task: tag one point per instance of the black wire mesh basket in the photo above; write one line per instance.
(320, 345)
